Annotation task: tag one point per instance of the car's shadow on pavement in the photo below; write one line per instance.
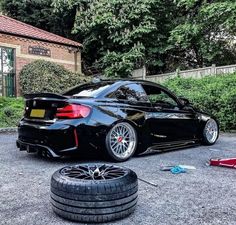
(166, 151)
(94, 156)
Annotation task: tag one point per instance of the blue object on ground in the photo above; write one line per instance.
(177, 170)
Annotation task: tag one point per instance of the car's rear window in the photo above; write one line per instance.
(88, 90)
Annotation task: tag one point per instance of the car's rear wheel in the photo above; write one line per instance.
(121, 141)
(210, 132)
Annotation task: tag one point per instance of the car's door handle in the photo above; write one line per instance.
(158, 108)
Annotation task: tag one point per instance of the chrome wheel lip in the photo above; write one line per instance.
(122, 140)
(93, 172)
(211, 131)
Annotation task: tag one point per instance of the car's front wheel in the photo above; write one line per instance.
(210, 132)
(121, 141)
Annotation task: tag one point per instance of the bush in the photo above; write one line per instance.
(213, 94)
(44, 76)
(11, 111)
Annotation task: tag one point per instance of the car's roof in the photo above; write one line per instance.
(114, 84)
(126, 81)
(122, 81)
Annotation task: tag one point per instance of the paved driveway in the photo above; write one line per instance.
(206, 195)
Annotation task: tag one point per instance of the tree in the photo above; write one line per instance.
(40, 13)
(204, 32)
(164, 35)
(119, 34)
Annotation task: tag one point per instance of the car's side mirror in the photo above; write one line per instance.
(184, 101)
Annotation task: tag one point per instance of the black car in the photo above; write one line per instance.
(118, 117)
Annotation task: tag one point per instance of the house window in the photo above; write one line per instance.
(7, 72)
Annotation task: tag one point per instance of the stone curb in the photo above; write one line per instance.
(8, 130)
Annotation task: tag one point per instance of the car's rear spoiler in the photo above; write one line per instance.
(44, 95)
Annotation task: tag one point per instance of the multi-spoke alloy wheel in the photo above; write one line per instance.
(121, 141)
(211, 132)
(93, 172)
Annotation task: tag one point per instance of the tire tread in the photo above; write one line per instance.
(94, 201)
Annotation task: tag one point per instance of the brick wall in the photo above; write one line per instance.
(60, 54)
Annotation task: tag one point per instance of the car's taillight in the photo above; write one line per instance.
(73, 111)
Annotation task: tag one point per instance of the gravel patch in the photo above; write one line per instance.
(205, 196)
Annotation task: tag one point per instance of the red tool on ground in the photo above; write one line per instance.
(230, 162)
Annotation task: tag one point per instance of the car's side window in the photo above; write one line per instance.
(131, 92)
(158, 97)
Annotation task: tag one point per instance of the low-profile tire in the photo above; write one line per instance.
(210, 132)
(121, 142)
(94, 192)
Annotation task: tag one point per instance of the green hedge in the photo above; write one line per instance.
(11, 110)
(213, 94)
(44, 76)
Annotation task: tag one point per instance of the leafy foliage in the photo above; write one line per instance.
(120, 35)
(11, 110)
(204, 33)
(40, 13)
(216, 95)
(44, 76)
(161, 34)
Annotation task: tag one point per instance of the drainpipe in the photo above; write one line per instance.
(75, 58)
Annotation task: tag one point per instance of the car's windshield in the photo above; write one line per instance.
(88, 90)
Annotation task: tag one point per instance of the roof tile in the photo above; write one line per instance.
(15, 27)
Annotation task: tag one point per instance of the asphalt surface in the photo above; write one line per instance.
(203, 196)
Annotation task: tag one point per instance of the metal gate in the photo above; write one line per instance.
(7, 72)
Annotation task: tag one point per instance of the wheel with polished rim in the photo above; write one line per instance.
(94, 192)
(210, 132)
(93, 172)
(121, 142)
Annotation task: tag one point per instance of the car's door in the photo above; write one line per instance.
(169, 120)
(133, 105)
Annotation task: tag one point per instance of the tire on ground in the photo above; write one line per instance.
(215, 129)
(94, 199)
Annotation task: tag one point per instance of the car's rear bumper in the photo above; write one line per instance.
(53, 141)
(45, 150)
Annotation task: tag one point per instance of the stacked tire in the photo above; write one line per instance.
(94, 192)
